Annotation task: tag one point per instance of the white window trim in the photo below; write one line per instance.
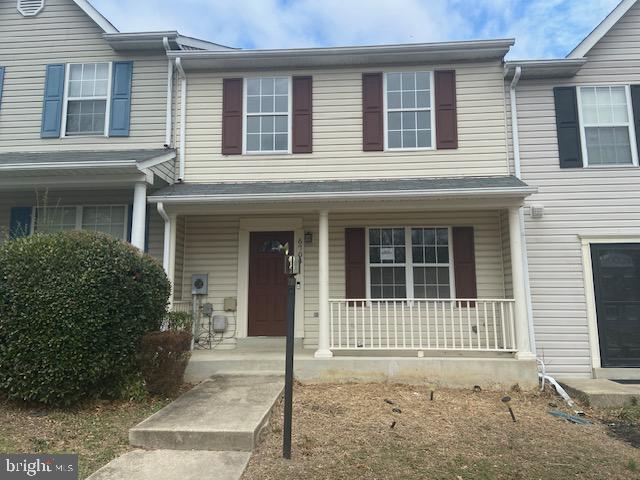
(630, 126)
(408, 264)
(432, 111)
(65, 103)
(245, 114)
(79, 215)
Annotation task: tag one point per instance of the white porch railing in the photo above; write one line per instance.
(453, 324)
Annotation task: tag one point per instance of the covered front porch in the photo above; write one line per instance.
(431, 274)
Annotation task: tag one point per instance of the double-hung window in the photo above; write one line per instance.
(111, 219)
(87, 92)
(409, 110)
(607, 125)
(410, 262)
(267, 115)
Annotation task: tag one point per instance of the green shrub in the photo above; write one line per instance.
(179, 321)
(73, 308)
(163, 359)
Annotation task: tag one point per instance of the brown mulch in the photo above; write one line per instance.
(344, 432)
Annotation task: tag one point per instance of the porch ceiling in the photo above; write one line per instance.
(499, 187)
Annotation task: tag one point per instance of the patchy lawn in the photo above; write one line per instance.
(98, 432)
(344, 432)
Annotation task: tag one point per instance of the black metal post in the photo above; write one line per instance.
(288, 379)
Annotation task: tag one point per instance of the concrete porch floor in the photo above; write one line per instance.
(601, 392)
(265, 356)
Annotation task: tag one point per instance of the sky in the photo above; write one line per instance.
(542, 28)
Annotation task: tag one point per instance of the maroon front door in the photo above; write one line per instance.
(268, 284)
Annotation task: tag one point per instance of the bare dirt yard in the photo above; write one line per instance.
(344, 432)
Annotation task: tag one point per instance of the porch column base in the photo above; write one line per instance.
(323, 353)
(525, 356)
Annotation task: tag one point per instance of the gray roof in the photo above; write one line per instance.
(106, 156)
(340, 188)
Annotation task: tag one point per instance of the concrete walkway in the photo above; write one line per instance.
(209, 432)
(600, 392)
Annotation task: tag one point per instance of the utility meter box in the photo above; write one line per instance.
(230, 304)
(199, 284)
(219, 323)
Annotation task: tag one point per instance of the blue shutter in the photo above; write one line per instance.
(20, 223)
(52, 104)
(1, 83)
(120, 119)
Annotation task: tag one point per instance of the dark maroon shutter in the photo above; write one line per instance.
(446, 111)
(302, 115)
(232, 116)
(355, 277)
(372, 112)
(464, 262)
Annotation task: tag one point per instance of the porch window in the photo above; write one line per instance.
(409, 262)
(267, 115)
(607, 126)
(87, 98)
(409, 112)
(111, 219)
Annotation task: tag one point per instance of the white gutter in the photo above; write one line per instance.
(515, 139)
(60, 165)
(183, 116)
(168, 126)
(355, 195)
(166, 255)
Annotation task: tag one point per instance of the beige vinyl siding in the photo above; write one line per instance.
(586, 201)
(337, 131)
(212, 247)
(63, 33)
(54, 198)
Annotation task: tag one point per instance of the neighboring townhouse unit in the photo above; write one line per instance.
(386, 169)
(83, 131)
(579, 125)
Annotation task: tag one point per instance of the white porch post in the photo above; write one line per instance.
(519, 294)
(323, 293)
(138, 221)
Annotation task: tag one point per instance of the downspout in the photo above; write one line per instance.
(515, 138)
(167, 138)
(183, 116)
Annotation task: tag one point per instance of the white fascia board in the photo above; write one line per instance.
(15, 167)
(96, 16)
(202, 44)
(332, 196)
(602, 29)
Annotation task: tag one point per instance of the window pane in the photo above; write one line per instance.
(281, 124)
(430, 255)
(281, 142)
(442, 236)
(75, 88)
(267, 124)
(268, 86)
(393, 81)
(253, 104)
(55, 219)
(409, 139)
(374, 255)
(253, 86)
(423, 81)
(608, 145)
(282, 104)
(75, 72)
(266, 142)
(424, 138)
(253, 142)
(395, 122)
(282, 86)
(266, 104)
(398, 236)
(409, 120)
(394, 100)
(423, 99)
(387, 236)
(418, 254)
(253, 124)
(395, 140)
(443, 255)
(408, 99)
(374, 236)
(408, 81)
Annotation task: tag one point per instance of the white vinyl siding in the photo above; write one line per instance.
(577, 202)
(61, 34)
(337, 131)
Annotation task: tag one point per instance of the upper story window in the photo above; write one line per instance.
(408, 110)
(607, 125)
(87, 99)
(267, 109)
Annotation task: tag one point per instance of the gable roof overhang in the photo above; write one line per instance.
(464, 51)
(96, 16)
(154, 41)
(22, 170)
(555, 68)
(602, 29)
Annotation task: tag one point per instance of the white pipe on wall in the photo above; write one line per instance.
(183, 116)
(168, 123)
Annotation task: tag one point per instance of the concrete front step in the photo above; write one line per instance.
(600, 392)
(174, 464)
(226, 412)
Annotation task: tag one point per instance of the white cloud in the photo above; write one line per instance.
(543, 28)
